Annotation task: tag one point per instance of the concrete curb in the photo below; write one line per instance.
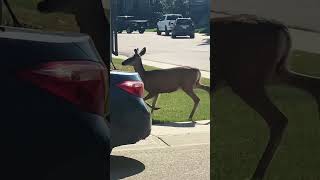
(181, 128)
(173, 135)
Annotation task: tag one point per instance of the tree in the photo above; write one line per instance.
(181, 7)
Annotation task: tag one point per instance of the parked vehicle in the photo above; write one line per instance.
(183, 27)
(52, 110)
(130, 118)
(130, 24)
(166, 24)
(53, 100)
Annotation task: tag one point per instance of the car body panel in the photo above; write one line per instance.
(183, 27)
(130, 122)
(41, 131)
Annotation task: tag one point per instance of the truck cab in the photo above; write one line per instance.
(166, 23)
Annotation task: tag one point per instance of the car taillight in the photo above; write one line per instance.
(82, 83)
(135, 88)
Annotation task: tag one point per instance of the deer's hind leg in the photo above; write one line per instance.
(256, 97)
(195, 98)
(149, 96)
(154, 102)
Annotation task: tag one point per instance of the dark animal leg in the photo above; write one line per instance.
(307, 83)
(114, 67)
(257, 99)
(154, 103)
(149, 96)
(195, 99)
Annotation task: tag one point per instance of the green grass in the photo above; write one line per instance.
(151, 30)
(239, 134)
(202, 30)
(176, 106)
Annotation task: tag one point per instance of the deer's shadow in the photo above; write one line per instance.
(122, 167)
(175, 124)
(204, 42)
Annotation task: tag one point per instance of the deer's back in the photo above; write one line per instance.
(169, 80)
(247, 47)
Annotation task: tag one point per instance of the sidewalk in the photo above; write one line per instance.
(173, 135)
(205, 74)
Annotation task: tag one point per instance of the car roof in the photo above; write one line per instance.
(184, 18)
(173, 14)
(125, 16)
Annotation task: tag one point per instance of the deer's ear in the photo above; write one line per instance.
(135, 51)
(143, 51)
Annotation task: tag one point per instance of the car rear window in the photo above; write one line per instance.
(184, 21)
(173, 17)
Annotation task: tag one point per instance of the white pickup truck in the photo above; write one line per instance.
(166, 23)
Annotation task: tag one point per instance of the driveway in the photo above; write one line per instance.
(163, 49)
(173, 151)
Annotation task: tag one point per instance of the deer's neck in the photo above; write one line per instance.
(139, 69)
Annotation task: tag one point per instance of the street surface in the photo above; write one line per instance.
(174, 151)
(162, 49)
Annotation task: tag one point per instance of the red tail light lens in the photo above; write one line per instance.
(135, 88)
(82, 83)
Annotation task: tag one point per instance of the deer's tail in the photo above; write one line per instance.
(204, 87)
(199, 85)
(307, 83)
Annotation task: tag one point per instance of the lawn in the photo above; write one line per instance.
(239, 134)
(176, 106)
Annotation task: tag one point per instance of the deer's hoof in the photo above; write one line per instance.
(156, 108)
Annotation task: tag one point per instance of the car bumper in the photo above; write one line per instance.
(131, 123)
(182, 32)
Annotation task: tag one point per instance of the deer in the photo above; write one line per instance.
(248, 53)
(167, 80)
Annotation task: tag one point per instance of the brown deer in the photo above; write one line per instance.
(167, 80)
(247, 53)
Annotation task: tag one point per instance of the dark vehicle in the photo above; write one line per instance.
(53, 99)
(130, 24)
(130, 118)
(183, 27)
(52, 110)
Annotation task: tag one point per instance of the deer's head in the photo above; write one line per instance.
(136, 58)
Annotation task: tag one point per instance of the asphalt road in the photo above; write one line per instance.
(180, 51)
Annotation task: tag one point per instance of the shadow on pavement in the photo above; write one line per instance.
(122, 167)
(173, 124)
(204, 42)
(182, 37)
